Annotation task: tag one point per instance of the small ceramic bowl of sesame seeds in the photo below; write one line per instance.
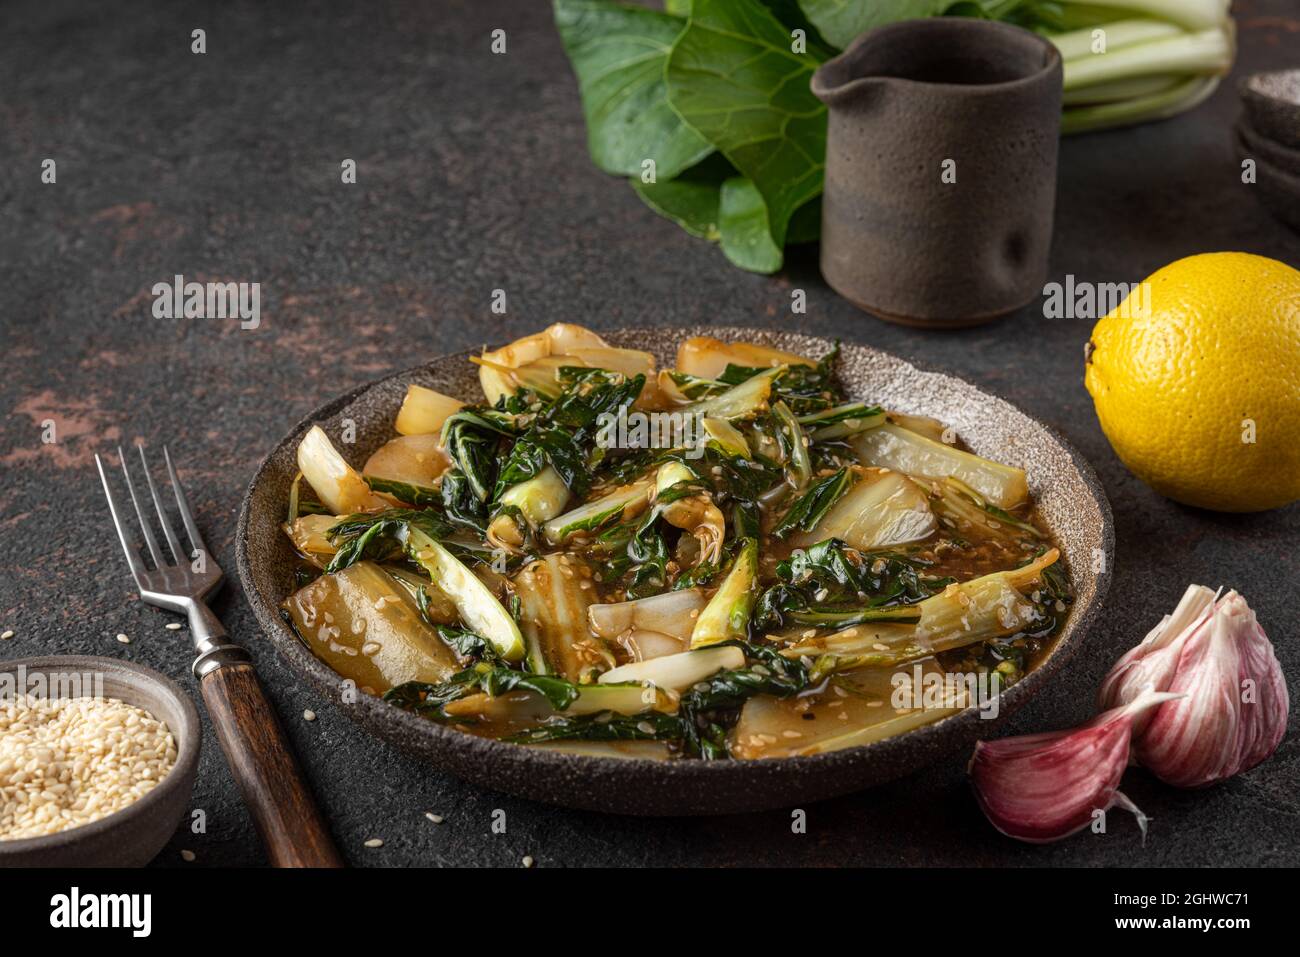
(97, 761)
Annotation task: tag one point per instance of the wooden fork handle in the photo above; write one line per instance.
(265, 769)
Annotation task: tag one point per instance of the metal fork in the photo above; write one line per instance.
(254, 743)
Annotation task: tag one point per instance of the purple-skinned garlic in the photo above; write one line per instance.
(1043, 787)
(1231, 713)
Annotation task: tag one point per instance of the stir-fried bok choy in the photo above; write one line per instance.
(728, 558)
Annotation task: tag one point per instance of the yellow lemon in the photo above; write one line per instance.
(1196, 380)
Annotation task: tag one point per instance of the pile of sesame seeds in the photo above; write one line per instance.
(65, 762)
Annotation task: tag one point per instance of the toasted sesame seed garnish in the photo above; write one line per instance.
(527, 861)
(187, 856)
(309, 715)
(435, 818)
(123, 639)
(173, 626)
(374, 842)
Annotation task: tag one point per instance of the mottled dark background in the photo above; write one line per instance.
(473, 175)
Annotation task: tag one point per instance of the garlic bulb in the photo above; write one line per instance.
(1043, 787)
(1231, 709)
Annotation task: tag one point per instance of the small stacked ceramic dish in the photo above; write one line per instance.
(1269, 134)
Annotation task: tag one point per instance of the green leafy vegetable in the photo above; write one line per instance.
(840, 21)
(733, 76)
(809, 508)
(728, 81)
(618, 54)
(744, 228)
(831, 583)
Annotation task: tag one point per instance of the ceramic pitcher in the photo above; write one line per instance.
(940, 169)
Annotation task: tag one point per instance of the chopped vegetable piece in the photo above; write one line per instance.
(424, 411)
(680, 671)
(554, 595)
(727, 614)
(367, 628)
(416, 461)
(623, 503)
(882, 509)
(478, 607)
(707, 358)
(891, 446)
(340, 488)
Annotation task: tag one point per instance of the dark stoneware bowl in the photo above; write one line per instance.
(909, 102)
(1276, 185)
(1070, 501)
(1272, 102)
(133, 836)
(1285, 158)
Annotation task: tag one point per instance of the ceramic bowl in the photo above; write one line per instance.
(1069, 498)
(133, 836)
(1276, 187)
(1272, 102)
(1285, 158)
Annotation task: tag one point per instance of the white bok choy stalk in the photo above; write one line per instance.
(538, 499)
(554, 595)
(1131, 61)
(739, 402)
(336, 483)
(893, 447)
(623, 503)
(424, 411)
(650, 627)
(477, 606)
(726, 438)
(310, 537)
(884, 508)
(679, 672)
(707, 358)
(727, 614)
(365, 625)
(841, 421)
(407, 469)
(555, 340)
(982, 609)
(526, 707)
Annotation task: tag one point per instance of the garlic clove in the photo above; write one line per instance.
(1233, 710)
(1153, 663)
(1043, 787)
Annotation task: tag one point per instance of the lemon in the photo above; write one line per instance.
(1199, 392)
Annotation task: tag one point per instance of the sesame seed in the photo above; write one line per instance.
(9, 633)
(173, 626)
(65, 762)
(374, 842)
(187, 856)
(527, 861)
(435, 818)
(309, 715)
(124, 639)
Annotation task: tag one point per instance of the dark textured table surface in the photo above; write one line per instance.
(472, 176)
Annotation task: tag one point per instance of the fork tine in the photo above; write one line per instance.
(190, 528)
(144, 524)
(172, 543)
(132, 559)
